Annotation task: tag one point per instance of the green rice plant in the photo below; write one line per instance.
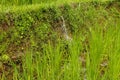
(103, 54)
(94, 54)
(51, 64)
(72, 68)
(113, 53)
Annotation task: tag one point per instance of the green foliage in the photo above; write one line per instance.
(32, 48)
(26, 2)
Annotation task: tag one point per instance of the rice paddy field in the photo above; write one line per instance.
(59, 40)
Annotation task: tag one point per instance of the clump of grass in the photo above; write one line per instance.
(54, 63)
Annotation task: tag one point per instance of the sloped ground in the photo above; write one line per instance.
(33, 45)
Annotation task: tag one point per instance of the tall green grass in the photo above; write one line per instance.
(103, 55)
(93, 53)
(55, 63)
(62, 60)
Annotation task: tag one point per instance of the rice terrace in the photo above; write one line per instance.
(59, 40)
